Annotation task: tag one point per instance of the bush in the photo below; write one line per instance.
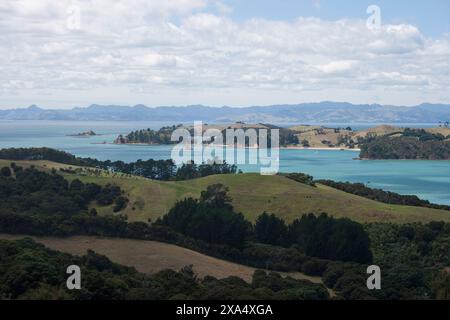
(314, 267)
(121, 203)
(302, 178)
(5, 172)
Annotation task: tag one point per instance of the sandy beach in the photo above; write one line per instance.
(320, 148)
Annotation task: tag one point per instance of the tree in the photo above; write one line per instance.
(210, 219)
(270, 229)
(305, 143)
(216, 195)
(121, 203)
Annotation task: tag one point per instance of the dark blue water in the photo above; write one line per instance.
(427, 179)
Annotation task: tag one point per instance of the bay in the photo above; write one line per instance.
(427, 179)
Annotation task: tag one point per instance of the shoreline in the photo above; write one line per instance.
(240, 147)
(401, 159)
(321, 148)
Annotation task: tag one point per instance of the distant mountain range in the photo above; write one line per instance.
(323, 112)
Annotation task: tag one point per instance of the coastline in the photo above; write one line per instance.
(241, 147)
(321, 148)
(400, 159)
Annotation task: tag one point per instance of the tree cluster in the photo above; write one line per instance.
(302, 178)
(323, 236)
(31, 192)
(152, 169)
(405, 147)
(149, 136)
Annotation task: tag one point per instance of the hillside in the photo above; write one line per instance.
(252, 194)
(323, 137)
(151, 256)
(408, 144)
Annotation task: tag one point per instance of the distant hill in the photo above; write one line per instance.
(323, 112)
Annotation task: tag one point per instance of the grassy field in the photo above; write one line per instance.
(252, 194)
(150, 256)
(316, 135)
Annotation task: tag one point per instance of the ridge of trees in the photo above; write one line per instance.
(33, 192)
(152, 169)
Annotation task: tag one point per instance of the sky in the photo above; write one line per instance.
(67, 53)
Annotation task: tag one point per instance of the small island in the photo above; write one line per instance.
(89, 133)
(148, 136)
(163, 135)
(296, 137)
(376, 143)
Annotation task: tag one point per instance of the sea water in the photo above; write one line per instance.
(427, 179)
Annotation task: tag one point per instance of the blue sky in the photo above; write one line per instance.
(60, 54)
(431, 16)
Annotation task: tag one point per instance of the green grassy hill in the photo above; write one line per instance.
(252, 194)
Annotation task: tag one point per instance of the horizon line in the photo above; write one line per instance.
(219, 106)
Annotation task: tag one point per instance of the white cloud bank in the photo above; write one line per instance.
(180, 52)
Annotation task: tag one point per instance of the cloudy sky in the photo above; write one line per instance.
(65, 53)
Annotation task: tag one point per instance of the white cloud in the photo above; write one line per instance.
(180, 52)
(337, 66)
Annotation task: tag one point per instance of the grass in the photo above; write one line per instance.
(151, 256)
(252, 194)
(314, 138)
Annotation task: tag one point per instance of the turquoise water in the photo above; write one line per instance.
(427, 179)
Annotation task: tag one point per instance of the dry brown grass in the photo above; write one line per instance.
(150, 256)
(441, 130)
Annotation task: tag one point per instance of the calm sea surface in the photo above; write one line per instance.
(427, 179)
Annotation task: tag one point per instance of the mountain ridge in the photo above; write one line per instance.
(319, 112)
